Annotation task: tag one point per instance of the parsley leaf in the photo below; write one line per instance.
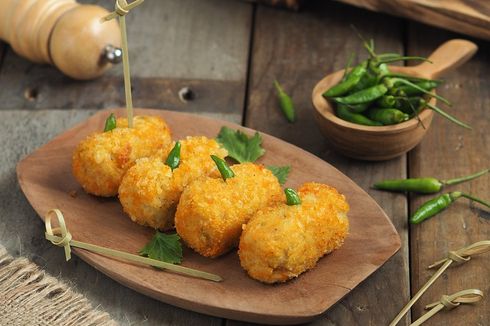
(239, 146)
(164, 247)
(281, 172)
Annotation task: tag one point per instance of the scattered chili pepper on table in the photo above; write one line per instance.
(440, 203)
(285, 102)
(424, 185)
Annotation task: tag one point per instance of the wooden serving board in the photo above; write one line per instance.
(46, 180)
(471, 17)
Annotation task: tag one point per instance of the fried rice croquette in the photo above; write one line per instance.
(211, 211)
(100, 161)
(150, 190)
(281, 242)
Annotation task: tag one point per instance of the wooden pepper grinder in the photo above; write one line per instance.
(63, 33)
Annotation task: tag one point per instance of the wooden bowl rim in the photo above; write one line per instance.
(325, 110)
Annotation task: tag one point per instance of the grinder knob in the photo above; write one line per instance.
(81, 46)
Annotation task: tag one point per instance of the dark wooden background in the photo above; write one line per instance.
(228, 53)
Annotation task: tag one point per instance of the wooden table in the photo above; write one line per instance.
(228, 53)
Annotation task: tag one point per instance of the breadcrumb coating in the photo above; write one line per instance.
(150, 191)
(100, 161)
(281, 242)
(211, 211)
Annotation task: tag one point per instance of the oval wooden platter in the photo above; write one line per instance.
(46, 180)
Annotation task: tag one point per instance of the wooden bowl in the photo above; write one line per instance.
(386, 142)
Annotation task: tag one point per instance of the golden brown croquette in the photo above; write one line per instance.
(211, 211)
(281, 242)
(100, 161)
(150, 190)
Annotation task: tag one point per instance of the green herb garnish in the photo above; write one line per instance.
(164, 247)
(281, 172)
(240, 147)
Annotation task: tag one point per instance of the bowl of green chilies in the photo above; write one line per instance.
(373, 111)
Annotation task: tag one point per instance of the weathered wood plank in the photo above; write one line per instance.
(449, 151)
(170, 41)
(298, 50)
(469, 17)
(21, 231)
(42, 90)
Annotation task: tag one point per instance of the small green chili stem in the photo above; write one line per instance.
(292, 197)
(403, 58)
(416, 112)
(465, 178)
(224, 169)
(285, 102)
(173, 158)
(392, 81)
(478, 200)
(448, 116)
(412, 78)
(369, 46)
(348, 65)
(110, 123)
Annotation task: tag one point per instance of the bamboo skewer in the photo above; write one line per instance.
(459, 256)
(450, 302)
(122, 8)
(61, 237)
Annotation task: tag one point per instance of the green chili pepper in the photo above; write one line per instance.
(387, 116)
(369, 79)
(393, 83)
(386, 101)
(292, 197)
(411, 105)
(438, 204)
(224, 169)
(357, 108)
(110, 123)
(424, 185)
(344, 113)
(366, 95)
(426, 86)
(344, 86)
(173, 158)
(285, 102)
(383, 71)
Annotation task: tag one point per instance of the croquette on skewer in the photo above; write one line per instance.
(150, 190)
(100, 161)
(283, 241)
(211, 210)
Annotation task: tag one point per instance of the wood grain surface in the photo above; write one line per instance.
(446, 152)
(46, 179)
(37, 102)
(462, 16)
(299, 50)
(208, 42)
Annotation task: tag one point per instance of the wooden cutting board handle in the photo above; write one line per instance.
(447, 57)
